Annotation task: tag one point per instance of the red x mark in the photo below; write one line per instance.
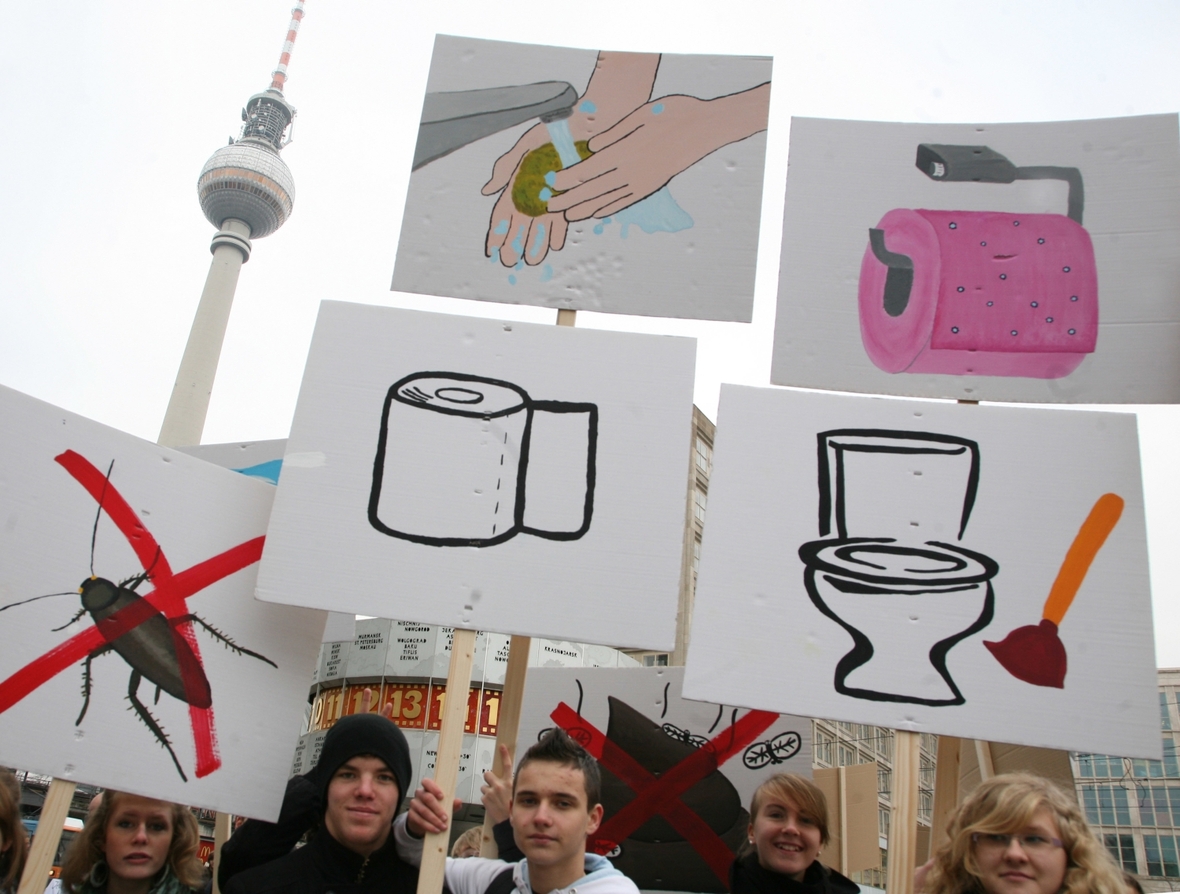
(662, 794)
(168, 596)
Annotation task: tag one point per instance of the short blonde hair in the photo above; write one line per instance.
(473, 837)
(1005, 805)
(88, 848)
(800, 791)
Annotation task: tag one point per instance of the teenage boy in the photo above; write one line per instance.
(556, 806)
(357, 784)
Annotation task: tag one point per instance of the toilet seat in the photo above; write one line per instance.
(882, 565)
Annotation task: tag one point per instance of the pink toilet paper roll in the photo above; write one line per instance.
(992, 294)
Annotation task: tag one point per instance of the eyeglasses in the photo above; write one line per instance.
(1032, 844)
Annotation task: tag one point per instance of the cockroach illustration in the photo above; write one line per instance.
(149, 642)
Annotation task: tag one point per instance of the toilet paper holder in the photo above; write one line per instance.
(974, 292)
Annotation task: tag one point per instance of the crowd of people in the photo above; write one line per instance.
(1014, 834)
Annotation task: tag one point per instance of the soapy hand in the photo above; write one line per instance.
(619, 84)
(653, 144)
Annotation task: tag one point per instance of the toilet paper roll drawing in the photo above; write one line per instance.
(906, 598)
(980, 292)
(464, 460)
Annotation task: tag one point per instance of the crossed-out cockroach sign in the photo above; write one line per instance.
(152, 632)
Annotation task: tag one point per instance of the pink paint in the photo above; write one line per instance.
(993, 294)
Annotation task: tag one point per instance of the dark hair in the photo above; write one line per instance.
(89, 847)
(12, 833)
(556, 747)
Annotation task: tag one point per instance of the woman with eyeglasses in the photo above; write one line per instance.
(788, 829)
(1020, 834)
(134, 845)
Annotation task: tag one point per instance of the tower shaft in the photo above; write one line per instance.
(184, 420)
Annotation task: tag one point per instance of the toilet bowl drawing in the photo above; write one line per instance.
(890, 576)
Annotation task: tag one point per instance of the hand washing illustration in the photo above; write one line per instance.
(980, 292)
(464, 460)
(609, 152)
(906, 600)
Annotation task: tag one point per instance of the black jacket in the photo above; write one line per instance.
(747, 877)
(325, 866)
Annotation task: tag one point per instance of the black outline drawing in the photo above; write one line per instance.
(871, 581)
(404, 391)
(774, 751)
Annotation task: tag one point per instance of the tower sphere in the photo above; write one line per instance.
(247, 180)
(250, 182)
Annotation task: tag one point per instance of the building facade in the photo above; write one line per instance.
(1134, 804)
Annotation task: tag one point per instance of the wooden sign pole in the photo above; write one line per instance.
(983, 754)
(842, 787)
(508, 727)
(947, 770)
(221, 832)
(513, 695)
(446, 761)
(903, 818)
(49, 828)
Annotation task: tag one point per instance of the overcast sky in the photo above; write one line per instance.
(108, 110)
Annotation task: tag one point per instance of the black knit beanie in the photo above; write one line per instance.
(363, 734)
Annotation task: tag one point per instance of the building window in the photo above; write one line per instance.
(699, 498)
(884, 781)
(704, 456)
(660, 660)
(1171, 766)
(1085, 766)
(1165, 716)
(823, 747)
(847, 756)
(1122, 848)
(883, 814)
(1161, 855)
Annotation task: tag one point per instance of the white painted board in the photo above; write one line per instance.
(643, 715)
(231, 719)
(988, 290)
(560, 516)
(684, 179)
(860, 554)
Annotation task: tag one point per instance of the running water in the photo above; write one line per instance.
(563, 142)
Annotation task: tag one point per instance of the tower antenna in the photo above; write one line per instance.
(280, 73)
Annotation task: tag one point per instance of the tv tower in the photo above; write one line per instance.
(246, 191)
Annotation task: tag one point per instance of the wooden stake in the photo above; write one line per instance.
(983, 754)
(842, 787)
(508, 725)
(566, 317)
(49, 828)
(947, 773)
(221, 830)
(903, 818)
(446, 761)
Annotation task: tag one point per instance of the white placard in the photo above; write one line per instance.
(874, 548)
(684, 172)
(560, 514)
(641, 712)
(168, 571)
(1015, 262)
(492, 657)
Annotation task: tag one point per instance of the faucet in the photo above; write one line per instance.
(451, 120)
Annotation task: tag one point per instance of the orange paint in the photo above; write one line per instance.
(1090, 537)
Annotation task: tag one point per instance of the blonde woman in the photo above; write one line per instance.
(14, 844)
(1020, 834)
(134, 845)
(788, 829)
